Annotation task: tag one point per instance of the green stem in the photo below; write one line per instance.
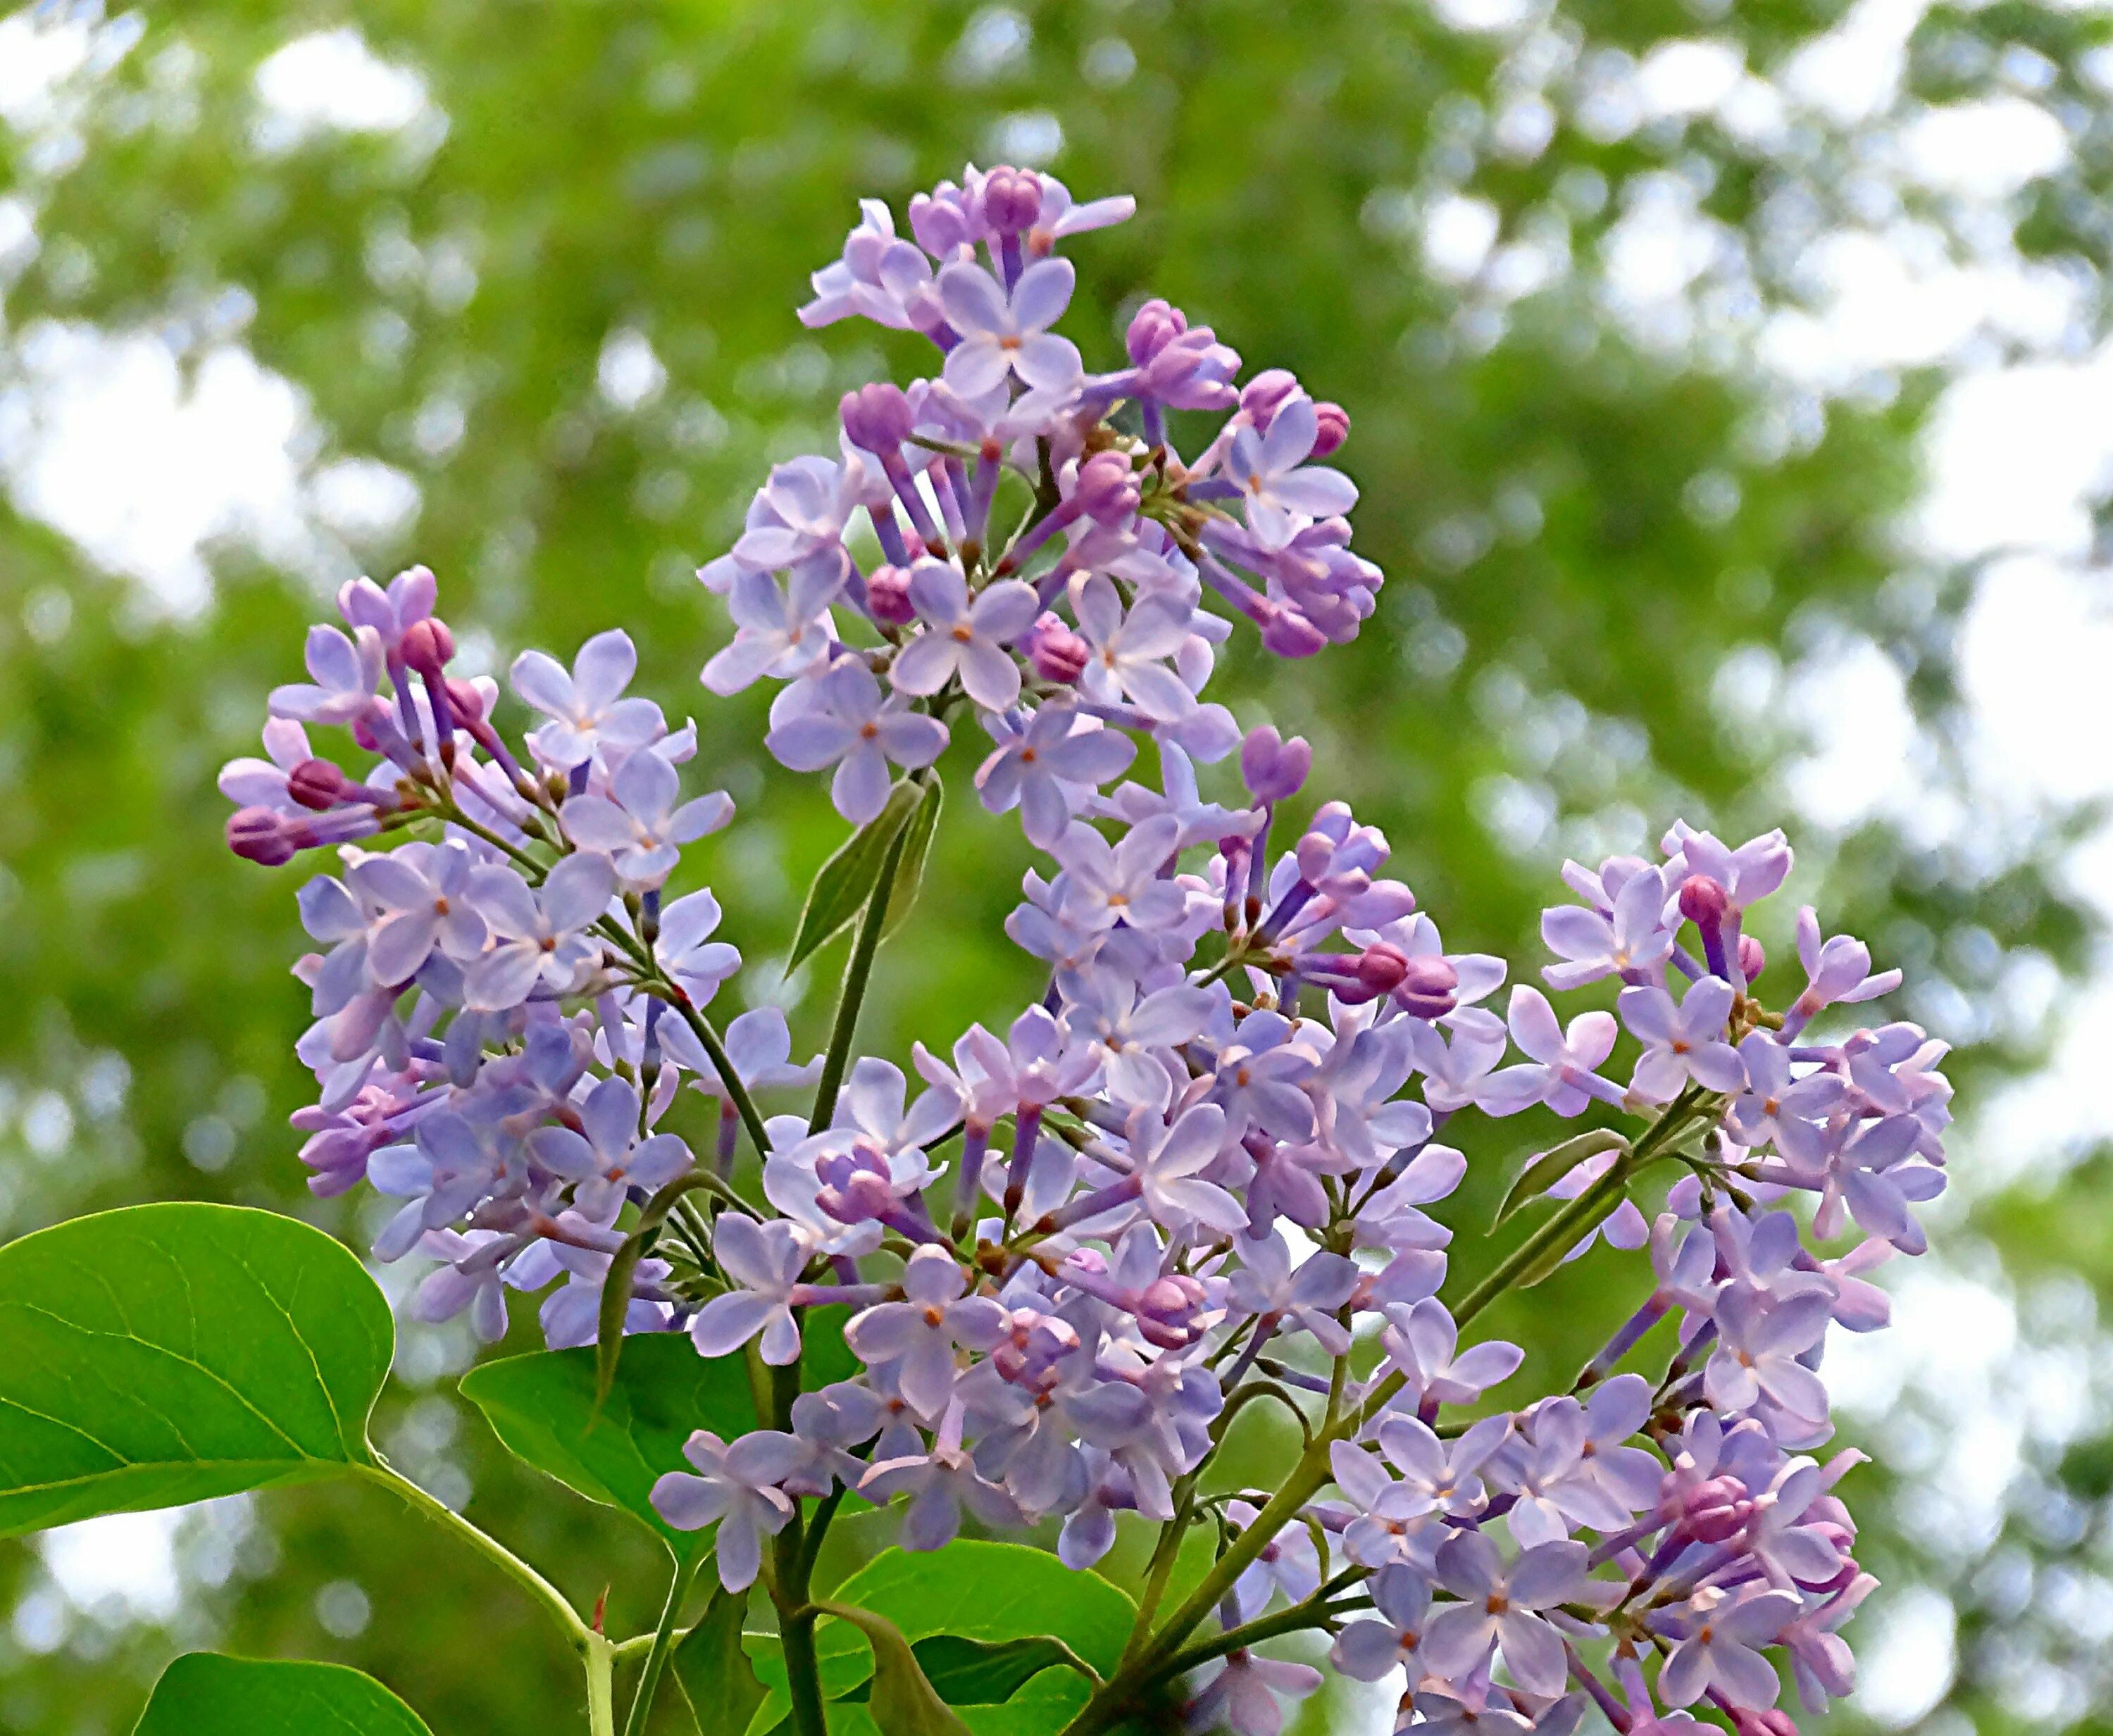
(601, 1686)
(857, 973)
(664, 1639)
(553, 1602)
(803, 1678)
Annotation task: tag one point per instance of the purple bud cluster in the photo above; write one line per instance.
(1196, 1171)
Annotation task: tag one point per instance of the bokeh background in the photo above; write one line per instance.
(1730, 404)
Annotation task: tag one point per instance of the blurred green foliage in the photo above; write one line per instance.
(1590, 507)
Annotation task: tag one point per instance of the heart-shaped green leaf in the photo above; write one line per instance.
(205, 1694)
(165, 1354)
(542, 1407)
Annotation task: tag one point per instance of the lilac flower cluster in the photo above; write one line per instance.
(1196, 1172)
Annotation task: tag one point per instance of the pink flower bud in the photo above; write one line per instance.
(256, 834)
(1774, 1721)
(888, 596)
(1334, 429)
(877, 416)
(1012, 199)
(466, 701)
(427, 645)
(1753, 959)
(1703, 902)
(316, 784)
(1055, 652)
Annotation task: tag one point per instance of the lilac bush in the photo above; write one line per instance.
(1202, 1168)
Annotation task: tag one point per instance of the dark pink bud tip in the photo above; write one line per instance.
(1055, 652)
(316, 784)
(467, 701)
(888, 596)
(877, 416)
(428, 646)
(1012, 199)
(1703, 902)
(1334, 429)
(1773, 1722)
(255, 835)
(1753, 960)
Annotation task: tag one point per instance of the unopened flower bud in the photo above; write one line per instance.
(1012, 199)
(466, 699)
(427, 645)
(1273, 768)
(1151, 328)
(1703, 902)
(256, 834)
(1380, 967)
(316, 784)
(1290, 634)
(1333, 429)
(1106, 492)
(877, 416)
(1774, 1721)
(1055, 652)
(1266, 394)
(1715, 1511)
(888, 596)
(1166, 1310)
(1753, 959)
(1429, 987)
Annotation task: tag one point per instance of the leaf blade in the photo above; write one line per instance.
(165, 1354)
(844, 882)
(924, 824)
(714, 1672)
(543, 1407)
(903, 1702)
(204, 1694)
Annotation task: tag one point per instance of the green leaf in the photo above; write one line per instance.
(165, 1354)
(904, 1702)
(847, 880)
(1543, 1172)
(994, 1592)
(616, 1282)
(714, 1672)
(205, 1694)
(1604, 1206)
(916, 846)
(978, 1672)
(542, 1407)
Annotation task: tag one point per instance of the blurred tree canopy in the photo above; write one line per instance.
(535, 318)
